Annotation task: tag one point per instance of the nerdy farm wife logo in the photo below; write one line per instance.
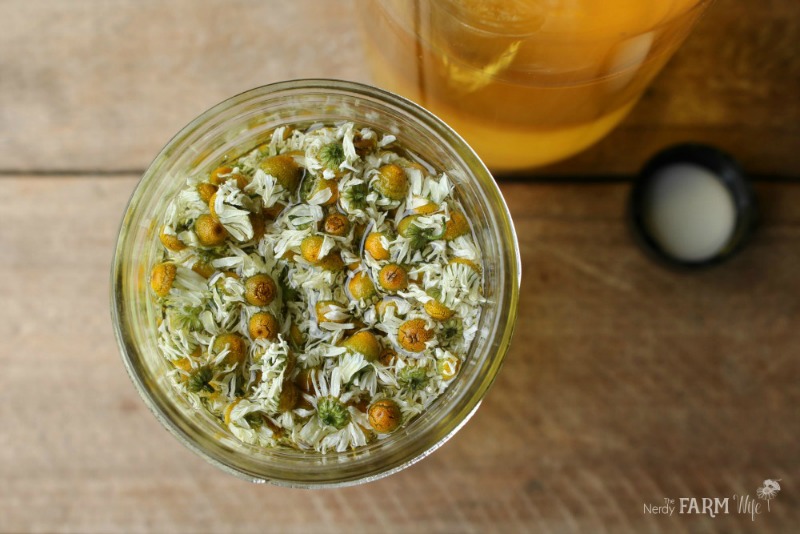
(737, 504)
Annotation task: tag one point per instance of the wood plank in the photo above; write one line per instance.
(626, 384)
(110, 83)
(96, 85)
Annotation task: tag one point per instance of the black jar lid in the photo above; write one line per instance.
(681, 216)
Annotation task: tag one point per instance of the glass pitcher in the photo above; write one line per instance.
(525, 82)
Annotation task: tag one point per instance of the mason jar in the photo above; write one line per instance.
(244, 122)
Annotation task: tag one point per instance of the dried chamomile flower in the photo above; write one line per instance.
(260, 290)
(206, 191)
(361, 287)
(331, 311)
(385, 416)
(310, 248)
(332, 155)
(456, 226)
(220, 175)
(199, 380)
(416, 232)
(356, 195)
(393, 278)
(170, 241)
(209, 230)
(332, 262)
(365, 343)
(234, 344)
(426, 209)
(320, 191)
(413, 335)
(391, 182)
(284, 169)
(263, 325)
(162, 277)
(203, 268)
(452, 332)
(332, 412)
(413, 377)
(388, 304)
(336, 224)
(374, 246)
(436, 309)
(448, 367)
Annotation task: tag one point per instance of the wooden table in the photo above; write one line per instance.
(626, 384)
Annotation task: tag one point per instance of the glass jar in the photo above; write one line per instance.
(246, 121)
(526, 82)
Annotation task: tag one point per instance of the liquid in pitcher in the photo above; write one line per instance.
(525, 82)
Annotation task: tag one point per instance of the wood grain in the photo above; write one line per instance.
(97, 85)
(626, 384)
(101, 86)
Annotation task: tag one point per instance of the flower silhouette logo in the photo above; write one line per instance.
(768, 491)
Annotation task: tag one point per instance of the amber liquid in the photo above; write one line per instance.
(525, 82)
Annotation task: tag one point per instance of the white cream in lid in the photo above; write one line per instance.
(689, 212)
(692, 206)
